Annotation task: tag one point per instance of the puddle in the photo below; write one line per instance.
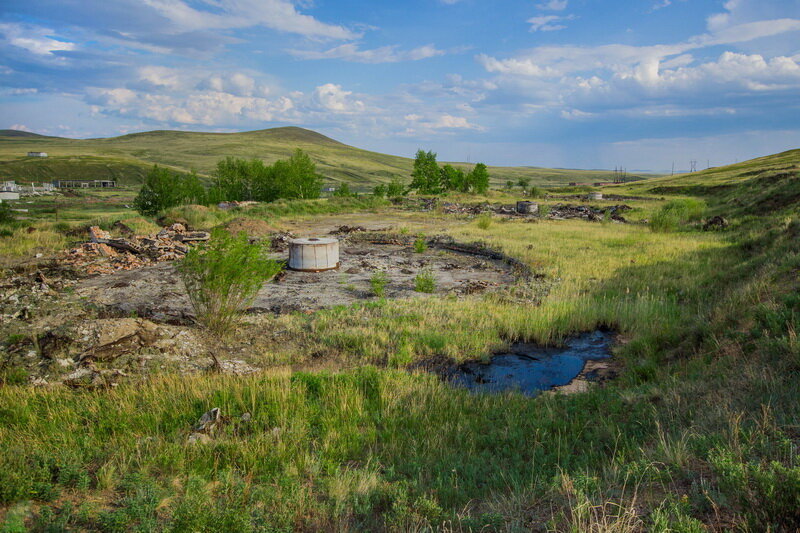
(530, 368)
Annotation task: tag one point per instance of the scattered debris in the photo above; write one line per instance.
(104, 254)
(344, 230)
(233, 205)
(280, 241)
(595, 214)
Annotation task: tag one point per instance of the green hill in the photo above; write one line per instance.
(126, 157)
(752, 187)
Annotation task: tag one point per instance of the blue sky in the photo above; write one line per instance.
(569, 83)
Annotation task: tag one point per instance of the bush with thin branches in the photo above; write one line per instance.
(223, 277)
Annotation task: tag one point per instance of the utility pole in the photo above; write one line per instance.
(693, 166)
(673, 169)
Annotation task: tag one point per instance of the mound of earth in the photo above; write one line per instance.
(253, 227)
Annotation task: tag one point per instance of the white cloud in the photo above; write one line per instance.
(278, 15)
(331, 97)
(553, 5)
(383, 54)
(19, 127)
(545, 23)
(34, 39)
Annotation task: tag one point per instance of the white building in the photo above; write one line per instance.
(37, 154)
(9, 186)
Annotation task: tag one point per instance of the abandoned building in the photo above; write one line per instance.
(84, 184)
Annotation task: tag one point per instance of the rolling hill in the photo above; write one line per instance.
(753, 187)
(127, 157)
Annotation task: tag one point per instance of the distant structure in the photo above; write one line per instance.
(37, 154)
(9, 191)
(329, 189)
(84, 184)
(9, 186)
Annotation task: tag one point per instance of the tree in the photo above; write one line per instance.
(523, 183)
(426, 176)
(164, 188)
(479, 179)
(379, 191)
(303, 180)
(395, 189)
(453, 179)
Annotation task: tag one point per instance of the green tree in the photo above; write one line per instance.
(425, 177)
(395, 189)
(479, 179)
(453, 179)
(523, 183)
(162, 189)
(379, 191)
(303, 180)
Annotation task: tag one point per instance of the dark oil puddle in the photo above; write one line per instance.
(530, 368)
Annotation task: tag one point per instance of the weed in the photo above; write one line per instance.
(378, 282)
(425, 281)
(222, 278)
(484, 221)
(420, 244)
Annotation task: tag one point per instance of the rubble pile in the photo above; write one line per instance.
(280, 241)
(104, 254)
(565, 211)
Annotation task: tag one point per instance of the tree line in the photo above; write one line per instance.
(429, 178)
(234, 180)
(295, 178)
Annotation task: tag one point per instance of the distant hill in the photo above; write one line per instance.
(20, 133)
(758, 186)
(127, 157)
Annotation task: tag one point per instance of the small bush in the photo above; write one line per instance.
(378, 282)
(424, 281)
(420, 245)
(484, 221)
(222, 278)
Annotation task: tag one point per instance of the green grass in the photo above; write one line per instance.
(128, 157)
(698, 431)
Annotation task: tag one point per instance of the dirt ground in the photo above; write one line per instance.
(157, 292)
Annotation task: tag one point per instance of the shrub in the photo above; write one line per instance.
(378, 282)
(343, 191)
(420, 245)
(484, 221)
(379, 191)
(222, 278)
(424, 281)
(536, 192)
(677, 212)
(395, 189)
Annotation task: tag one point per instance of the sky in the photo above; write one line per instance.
(640, 84)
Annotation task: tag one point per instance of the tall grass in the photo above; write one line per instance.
(677, 212)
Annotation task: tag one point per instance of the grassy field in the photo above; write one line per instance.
(699, 432)
(125, 157)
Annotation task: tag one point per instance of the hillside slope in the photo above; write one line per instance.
(119, 156)
(717, 180)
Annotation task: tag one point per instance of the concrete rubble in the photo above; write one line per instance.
(104, 254)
